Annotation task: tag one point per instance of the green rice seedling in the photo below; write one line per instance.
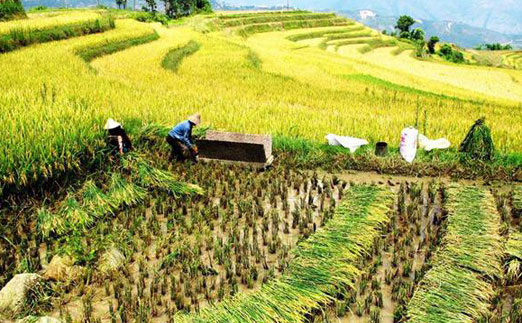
(399, 313)
(375, 315)
(406, 268)
(515, 314)
(378, 299)
(359, 308)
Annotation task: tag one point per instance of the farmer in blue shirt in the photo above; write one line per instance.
(180, 140)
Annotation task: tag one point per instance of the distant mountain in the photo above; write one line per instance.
(503, 16)
(453, 32)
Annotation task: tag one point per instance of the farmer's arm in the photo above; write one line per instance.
(120, 144)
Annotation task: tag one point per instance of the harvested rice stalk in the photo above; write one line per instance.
(449, 294)
(322, 266)
(472, 240)
(147, 175)
(79, 210)
(459, 286)
(514, 245)
(478, 143)
(514, 256)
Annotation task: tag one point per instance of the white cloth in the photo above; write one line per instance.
(347, 142)
(111, 124)
(429, 145)
(408, 146)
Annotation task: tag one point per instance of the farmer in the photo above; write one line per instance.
(118, 138)
(180, 140)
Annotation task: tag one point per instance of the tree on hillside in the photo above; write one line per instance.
(404, 24)
(452, 55)
(418, 34)
(203, 6)
(498, 46)
(431, 44)
(151, 6)
(420, 44)
(179, 8)
(10, 9)
(122, 4)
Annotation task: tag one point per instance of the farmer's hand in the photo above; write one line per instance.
(195, 148)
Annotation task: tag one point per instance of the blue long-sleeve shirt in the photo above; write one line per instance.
(183, 132)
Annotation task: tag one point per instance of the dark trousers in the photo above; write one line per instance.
(179, 151)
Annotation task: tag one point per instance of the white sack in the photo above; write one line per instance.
(429, 145)
(408, 147)
(347, 142)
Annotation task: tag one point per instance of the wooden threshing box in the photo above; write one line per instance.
(236, 147)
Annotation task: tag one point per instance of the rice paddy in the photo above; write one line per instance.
(512, 59)
(135, 238)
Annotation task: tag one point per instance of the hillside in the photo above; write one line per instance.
(94, 234)
(458, 33)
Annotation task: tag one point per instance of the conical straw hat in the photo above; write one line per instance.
(111, 124)
(195, 119)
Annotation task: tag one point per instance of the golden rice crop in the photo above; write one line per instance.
(39, 22)
(53, 104)
(468, 81)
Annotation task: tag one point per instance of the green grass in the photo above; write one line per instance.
(90, 53)
(274, 18)
(322, 33)
(377, 43)
(323, 266)
(254, 60)
(349, 35)
(174, 57)
(264, 13)
(11, 9)
(289, 25)
(459, 287)
(18, 38)
(347, 42)
(369, 79)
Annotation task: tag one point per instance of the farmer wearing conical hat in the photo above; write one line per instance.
(118, 138)
(180, 140)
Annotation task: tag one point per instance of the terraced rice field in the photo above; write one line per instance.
(136, 239)
(390, 55)
(311, 79)
(247, 24)
(513, 59)
(42, 21)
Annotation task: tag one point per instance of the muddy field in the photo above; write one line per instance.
(166, 254)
